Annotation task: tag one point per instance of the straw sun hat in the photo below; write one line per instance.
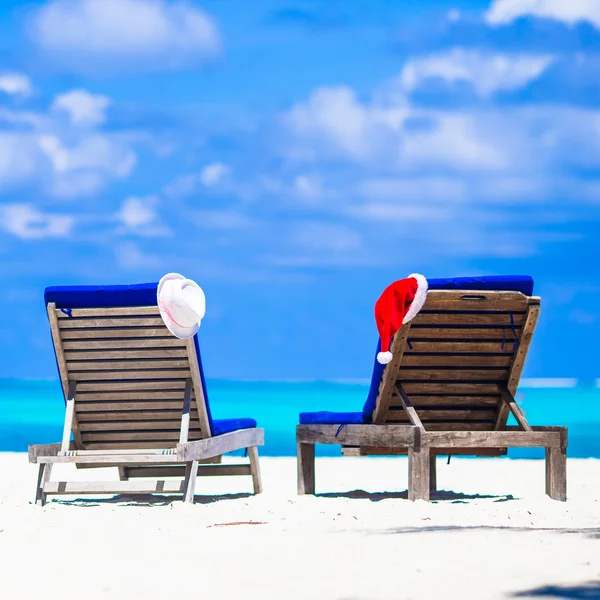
(181, 303)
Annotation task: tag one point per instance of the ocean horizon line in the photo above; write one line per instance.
(526, 382)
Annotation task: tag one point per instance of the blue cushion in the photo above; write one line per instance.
(141, 294)
(512, 283)
(331, 418)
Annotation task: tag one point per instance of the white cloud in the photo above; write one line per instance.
(27, 222)
(308, 187)
(502, 12)
(124, 34)
(93, 152)
(20, 158)
(138, 216)
(221, 219)
(15, 84)
(213, 174)
(82, 107)
(487, 73)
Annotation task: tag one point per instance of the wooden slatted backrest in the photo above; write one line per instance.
(453, 357)
(131, 375)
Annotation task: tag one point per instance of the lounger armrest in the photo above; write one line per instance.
(44, 450)
(220, 444)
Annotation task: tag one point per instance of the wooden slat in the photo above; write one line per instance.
(134, 386)
(453, 389)
(114, 487)
(132, 444)
(132, 415)
(461, 414)
(142, 332)
(113, 365)
(452, 374)
(140, 405)
(120, 344)
(384, 435)
(461, 426)
(376, 451)
(92, 355)
(142, 395)
(117, 311)
(141, 425)
(463, 334)
(463, 401)
(130, 437)
(179, 471)
(111, 322)
(466, 300)
(455, 360)
(124, 375)
(451, 318)
(452, 347)
(493, 439)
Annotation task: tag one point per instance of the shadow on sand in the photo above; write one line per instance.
(147, 500)
(452, 497)
(585, 591)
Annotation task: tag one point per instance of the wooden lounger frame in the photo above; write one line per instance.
(134, 400)
(449, 389)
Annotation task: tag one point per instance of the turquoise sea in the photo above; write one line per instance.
(32, 411)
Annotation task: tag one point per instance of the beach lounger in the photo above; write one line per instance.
(135, 399)
(449, 388)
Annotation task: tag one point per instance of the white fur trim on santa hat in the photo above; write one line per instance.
(420, 297)
(383, 358)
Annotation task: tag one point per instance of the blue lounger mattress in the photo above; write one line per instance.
(142, 294)
(509, 283)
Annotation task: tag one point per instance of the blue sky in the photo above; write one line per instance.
(295, 158)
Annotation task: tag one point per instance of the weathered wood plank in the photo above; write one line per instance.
(556, 473)
(199, 399)
(374, 435)
(127, 365)
(179, 471)
(142, 395)
(455, 360)
(458, 425)
(92, 323)
(220, 444)
(111, 411)
(452, 389)
(449, 414)
(466, 300)
(412, 374)
(387, 386)
(117, 311)
(134, 436)
(451, 318)
(448, 401)
(62, 368)
(453, 347)
(255, 469)
(127, 354)
(130, 386)
(121, 344)
(117, 424)
(519, 362)
(189, 482)
(132, 332)
(306, 468)
(124, 375)
(69, 417)
(377, 451)
(419, 486)
(115, 487)
(509, 400)
(408, 409)
(465, 334)
(185, 413)
(492, 439)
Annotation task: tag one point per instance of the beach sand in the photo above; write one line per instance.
(492, 534)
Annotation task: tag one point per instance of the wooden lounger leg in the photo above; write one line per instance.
(432, 473)
(556, 473)
(255, 469)
(44, 473)
(306, 468)
(191, 472)
(122, 473)
(419, 473)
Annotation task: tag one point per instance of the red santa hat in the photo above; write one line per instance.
(399, 303)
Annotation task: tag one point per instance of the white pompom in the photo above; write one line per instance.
(384, 357)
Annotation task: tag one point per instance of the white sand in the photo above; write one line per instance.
(495, 536)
